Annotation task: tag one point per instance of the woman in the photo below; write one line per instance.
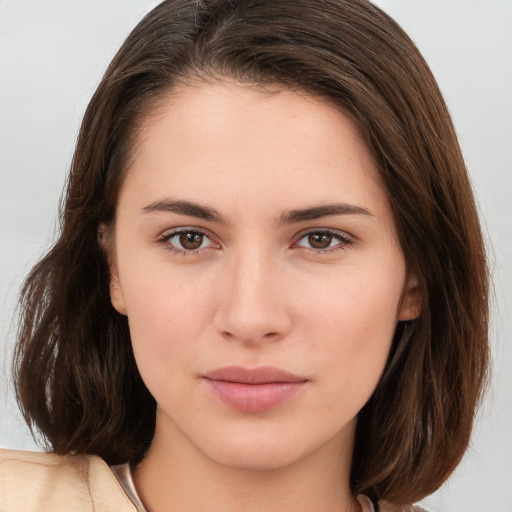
(270, 288)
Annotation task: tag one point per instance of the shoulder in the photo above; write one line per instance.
(32, 481)
(385, 506)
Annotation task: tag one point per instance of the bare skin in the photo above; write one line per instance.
(251, 231)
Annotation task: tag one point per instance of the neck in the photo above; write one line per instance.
(176, 476)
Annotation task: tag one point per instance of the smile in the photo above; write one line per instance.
(253, 390)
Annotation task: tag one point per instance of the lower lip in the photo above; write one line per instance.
(254, 397)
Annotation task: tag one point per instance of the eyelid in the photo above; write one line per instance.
(184, 229)
(345, 240)
(167, 235)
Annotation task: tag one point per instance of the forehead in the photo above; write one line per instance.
(233, 140)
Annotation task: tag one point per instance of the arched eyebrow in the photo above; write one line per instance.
(320, 211)
(186, 208)
(288, 217)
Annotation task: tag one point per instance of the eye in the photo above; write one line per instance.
(186, 241)
(324, 240)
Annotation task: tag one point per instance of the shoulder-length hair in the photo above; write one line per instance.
(76, 377)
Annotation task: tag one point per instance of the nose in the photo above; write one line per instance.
(252, 307)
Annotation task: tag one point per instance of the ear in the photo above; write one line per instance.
(410, 306)
(105, 240)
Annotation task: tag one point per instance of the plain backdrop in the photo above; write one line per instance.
(52, 55)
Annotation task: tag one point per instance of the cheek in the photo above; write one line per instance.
(353, 322)
(168, 319)
(362, 303)
(168, 339)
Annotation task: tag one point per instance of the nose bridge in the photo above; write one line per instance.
(252, 308)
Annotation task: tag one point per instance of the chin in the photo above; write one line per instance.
(258, 458)
(263, 451)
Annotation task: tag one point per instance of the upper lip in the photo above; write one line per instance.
(259, 375)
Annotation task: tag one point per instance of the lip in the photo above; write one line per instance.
(253, 389)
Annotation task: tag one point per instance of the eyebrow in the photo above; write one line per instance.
(186, 208)
(325, 210)
(289, 217)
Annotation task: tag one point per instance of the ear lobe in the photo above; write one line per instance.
(410, 306)
(116, 292)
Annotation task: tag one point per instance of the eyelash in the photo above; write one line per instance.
(165, 240)
(343, 239)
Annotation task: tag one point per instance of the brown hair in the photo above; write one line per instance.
(77, 380)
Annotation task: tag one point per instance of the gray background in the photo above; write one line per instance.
(52, 55)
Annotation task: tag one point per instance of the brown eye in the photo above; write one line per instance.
(325, 240)
(191, 241)
(320, 240)
(187, 241)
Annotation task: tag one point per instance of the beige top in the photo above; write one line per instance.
(46, 482)
(124, 476)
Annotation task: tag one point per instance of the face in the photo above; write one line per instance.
(255, 256)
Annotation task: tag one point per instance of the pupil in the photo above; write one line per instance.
(320, 241)
(191, 241)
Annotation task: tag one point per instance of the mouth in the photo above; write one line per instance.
(253, 389)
